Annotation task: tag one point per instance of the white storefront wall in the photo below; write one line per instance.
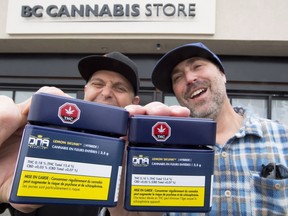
(246, 27)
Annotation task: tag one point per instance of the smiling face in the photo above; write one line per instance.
(199, 85)
(110, 88)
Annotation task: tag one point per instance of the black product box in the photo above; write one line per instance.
(170, 163)
(66, 167)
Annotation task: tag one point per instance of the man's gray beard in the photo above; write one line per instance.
(210, 113)
(213, 110)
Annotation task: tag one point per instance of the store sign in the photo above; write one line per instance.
(126, 16)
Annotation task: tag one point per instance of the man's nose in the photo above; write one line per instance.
(190, 76)
(106, 90)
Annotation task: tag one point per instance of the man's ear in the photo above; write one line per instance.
(224, 78)
(85, 89)
(136, 100)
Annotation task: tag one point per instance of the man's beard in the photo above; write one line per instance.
(212, 110)
(213, 105)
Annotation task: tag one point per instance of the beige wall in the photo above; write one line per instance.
(246, 27)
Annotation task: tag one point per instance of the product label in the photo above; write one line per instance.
(57, 179)
(169, 179)
(167, 190)
(66, 167)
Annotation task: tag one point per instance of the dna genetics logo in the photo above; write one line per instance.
(38, 142)
(140, 161)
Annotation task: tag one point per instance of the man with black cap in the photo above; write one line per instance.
(111, 79)
(245, 143)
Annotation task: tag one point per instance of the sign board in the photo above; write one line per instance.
(113, 17)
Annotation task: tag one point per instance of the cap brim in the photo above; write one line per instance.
(161, 75)
(89, 65)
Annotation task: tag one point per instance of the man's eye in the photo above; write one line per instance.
(197, 66)
(120, 89)
(97, 85)
(176, 78)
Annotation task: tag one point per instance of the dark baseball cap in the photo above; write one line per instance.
(113, 61)
(161, 75)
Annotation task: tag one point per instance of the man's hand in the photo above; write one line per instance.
(13, 118)
(158, 108)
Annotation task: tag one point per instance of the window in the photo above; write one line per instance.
(280, 110)
(19, 96)
(6, 93)
(256, 106)
(170, 100)
(268, 106)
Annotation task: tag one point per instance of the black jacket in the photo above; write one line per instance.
(55, 210)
